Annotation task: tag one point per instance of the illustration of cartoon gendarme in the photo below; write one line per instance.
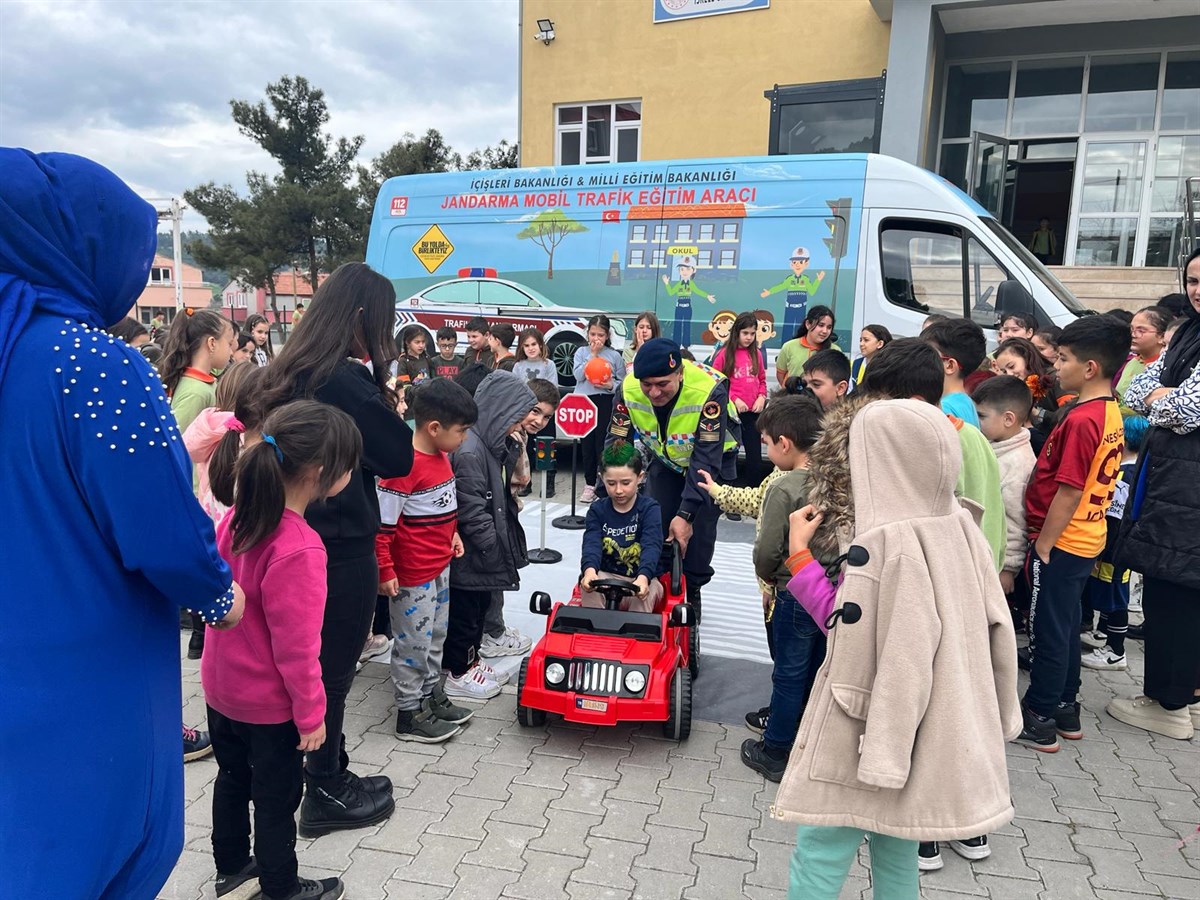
(683, 290)
(799, 288)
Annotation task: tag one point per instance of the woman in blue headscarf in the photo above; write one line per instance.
(97, 519)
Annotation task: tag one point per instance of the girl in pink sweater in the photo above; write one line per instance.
(262, 680)
(235, 391)
(742, 362)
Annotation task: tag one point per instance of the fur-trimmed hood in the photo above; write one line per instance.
(829, 478)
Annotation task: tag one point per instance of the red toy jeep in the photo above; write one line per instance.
(604, 666)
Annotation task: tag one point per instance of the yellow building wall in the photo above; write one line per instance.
(700, 80)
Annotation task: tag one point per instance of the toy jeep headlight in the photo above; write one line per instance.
(555, 673)
(634, 681)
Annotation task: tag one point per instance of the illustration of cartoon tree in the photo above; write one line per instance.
(547, 229)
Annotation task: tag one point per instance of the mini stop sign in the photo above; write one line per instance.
(576, 417)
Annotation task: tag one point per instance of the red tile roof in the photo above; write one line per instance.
(690, 211)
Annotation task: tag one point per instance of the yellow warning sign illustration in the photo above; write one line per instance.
(432, 249)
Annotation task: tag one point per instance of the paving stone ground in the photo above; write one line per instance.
(582, 813)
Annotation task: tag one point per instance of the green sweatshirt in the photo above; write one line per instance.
(746, 501)
(191, 396)
(784, 496)
(979, 480)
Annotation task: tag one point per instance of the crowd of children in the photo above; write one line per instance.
(1034, 470)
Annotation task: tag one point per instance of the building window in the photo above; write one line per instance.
(637, 258)
(728, 259)
(683, 233)
(658, 258)
(729, 231)
(704, 259)
(598, 133)
(639, 233)
(160, 275)
(708, 231)
(831, 117)
(660, 233)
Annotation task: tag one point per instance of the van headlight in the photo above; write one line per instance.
(555, 673)
(634, 681)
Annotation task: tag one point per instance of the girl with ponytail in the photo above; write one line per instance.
(262, 681)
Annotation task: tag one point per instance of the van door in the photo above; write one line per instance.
(917, 266)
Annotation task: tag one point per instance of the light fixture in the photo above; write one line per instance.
(545, 31)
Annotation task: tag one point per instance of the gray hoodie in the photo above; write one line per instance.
(487, 512)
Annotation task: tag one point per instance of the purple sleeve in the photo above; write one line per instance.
(814, 592)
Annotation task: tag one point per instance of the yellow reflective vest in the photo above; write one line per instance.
(684, 427)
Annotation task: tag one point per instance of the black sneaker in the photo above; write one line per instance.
(1066, 721)
(972, 848)
(374, 784)
(733, 517)
(929, 856)
(768, 763)
(757, 720)
(307, 889)
(441, 707)
(1136, 632)
(423, 725)
(336, 804)
(241, 886)
(1024, 658)
(196, 744)
(1039, 733)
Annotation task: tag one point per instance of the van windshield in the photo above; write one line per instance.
(1056, 287)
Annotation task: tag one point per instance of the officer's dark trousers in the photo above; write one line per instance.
(666, 486)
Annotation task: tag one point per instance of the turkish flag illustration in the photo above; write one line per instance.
(611, 215)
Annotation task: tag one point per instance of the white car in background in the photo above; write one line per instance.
(478, 292)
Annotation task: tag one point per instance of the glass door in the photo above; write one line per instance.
(988, 169)
(1110, 202)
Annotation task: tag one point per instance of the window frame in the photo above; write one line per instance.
(615, 128)
(825, 92)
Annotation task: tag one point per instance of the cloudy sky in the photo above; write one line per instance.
(143, 86)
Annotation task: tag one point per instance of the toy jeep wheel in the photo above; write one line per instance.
(679, 712)
(694, 651)
(527, 716)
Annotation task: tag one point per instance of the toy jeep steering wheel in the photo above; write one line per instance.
(613, 590)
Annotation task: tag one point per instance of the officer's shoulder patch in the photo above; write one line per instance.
(712, 409)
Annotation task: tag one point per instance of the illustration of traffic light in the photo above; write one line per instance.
(838, 225)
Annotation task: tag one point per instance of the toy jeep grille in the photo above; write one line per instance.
(595, 677)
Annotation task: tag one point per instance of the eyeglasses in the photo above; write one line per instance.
(1139, 331)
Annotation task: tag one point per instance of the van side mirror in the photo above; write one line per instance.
(540, 603)
(1013, 300)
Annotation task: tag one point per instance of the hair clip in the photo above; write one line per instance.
(269, 439)
(234, 424)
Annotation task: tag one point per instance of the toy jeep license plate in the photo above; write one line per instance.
(597, 705)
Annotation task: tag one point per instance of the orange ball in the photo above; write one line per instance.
(598, 370)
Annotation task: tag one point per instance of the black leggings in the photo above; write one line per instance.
(593, 445)
(750, 472)
(464, 628)
(1172, 632)
(349, 609)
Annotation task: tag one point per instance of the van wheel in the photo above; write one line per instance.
(561, 349)
(679, 711)
(527, 716)
(694, 650)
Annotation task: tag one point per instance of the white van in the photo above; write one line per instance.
(876, 239)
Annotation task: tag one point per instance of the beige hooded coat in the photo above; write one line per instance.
(905, 731)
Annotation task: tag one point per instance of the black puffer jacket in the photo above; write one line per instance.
(487, 511)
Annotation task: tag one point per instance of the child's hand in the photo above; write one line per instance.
(759, 403)
(389, 588)
(802, 525)
(235, 612)
(456, 546)
(589, 575)
(313, 740)
(706, 481)
(1007, 581)
(642, 583)
(767, 599)
(740, 405)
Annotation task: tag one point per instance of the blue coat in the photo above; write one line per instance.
(101, 543)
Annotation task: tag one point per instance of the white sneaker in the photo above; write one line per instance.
(588, 495)
(1104, 658)
(1094, 639)
(511, 643)
(473, 685)
(376, 644)
(491, 674)
(1142, 712)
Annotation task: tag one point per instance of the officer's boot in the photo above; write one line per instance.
(693, 597)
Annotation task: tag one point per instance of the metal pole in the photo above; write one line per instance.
(572, 522)
(544, 554)
(177, 248)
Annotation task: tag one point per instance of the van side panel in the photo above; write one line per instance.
(686, 239)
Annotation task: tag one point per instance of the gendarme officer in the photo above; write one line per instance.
(680, 411)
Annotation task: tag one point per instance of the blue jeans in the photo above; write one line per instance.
(795, 307)
(822, 858)
(683, 324)
(799, 652)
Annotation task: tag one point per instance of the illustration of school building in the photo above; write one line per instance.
(658, 236)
